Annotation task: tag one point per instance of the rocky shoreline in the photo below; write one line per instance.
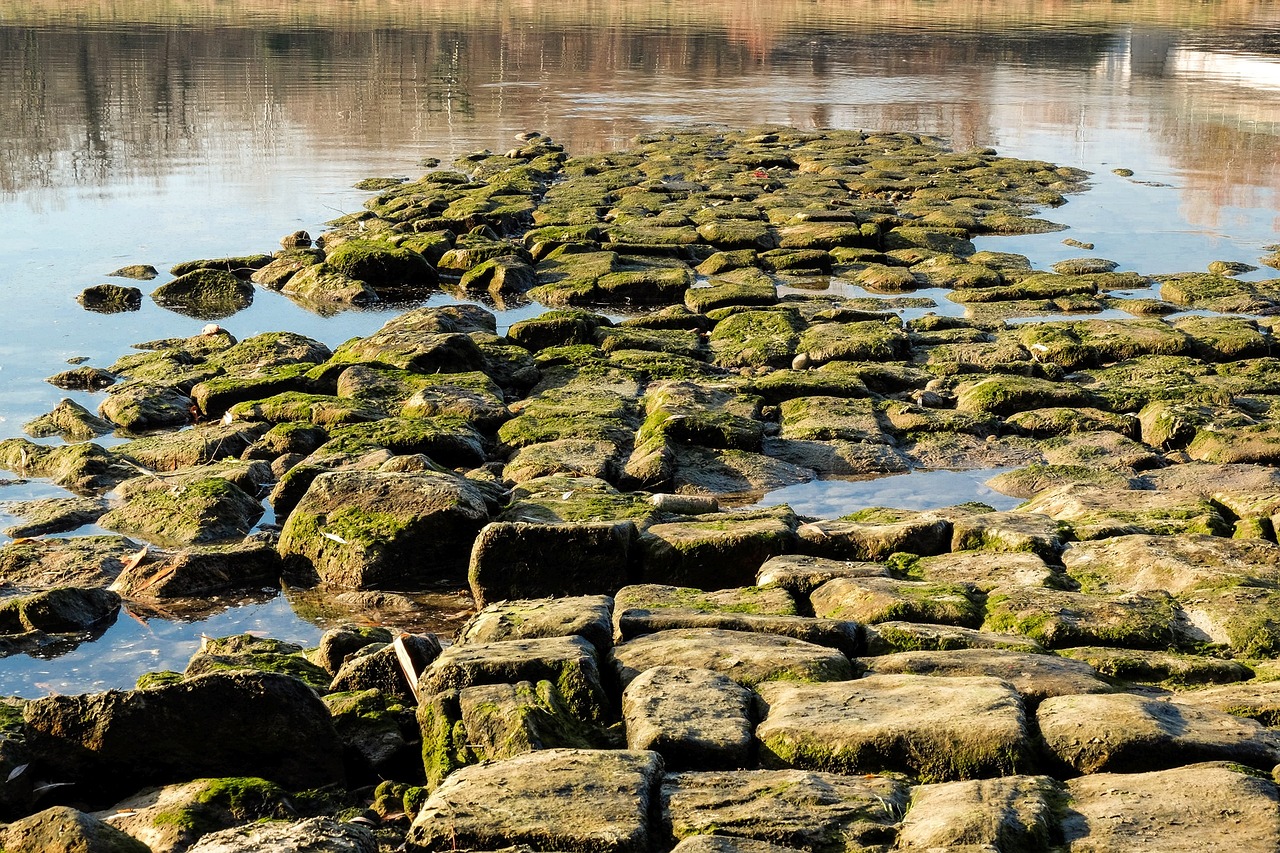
(654, 663)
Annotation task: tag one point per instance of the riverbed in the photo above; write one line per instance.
(177, 132)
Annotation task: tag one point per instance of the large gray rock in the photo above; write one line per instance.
(716, 551)
(648, 608)
(820, 812)
(1203, 808)
(171, 818)
(199, 571)
(491, 722)
(568, 662)
(695, 719)
(586, 616)
(371, 529)
(555, 799)
(235, 724)
(531, 560)
(747, 658)
(801, 574)
(1035, 676)
(938, 729)
(61, 829)
(1013, 815)
(1126, 733)
(313, 835)
(872, 600)
(1175, 564)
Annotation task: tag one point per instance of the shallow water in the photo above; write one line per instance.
(155, 132)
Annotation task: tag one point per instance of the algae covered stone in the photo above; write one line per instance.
(369, 529)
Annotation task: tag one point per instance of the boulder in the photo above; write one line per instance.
(647, 608)
(63, 828)
(716, 551)
(1036, 677)
(1016, 814)
(303, 836)
(518, 559)
(382, 668)
(69, 420)
(233, 724)
(555, 799)
(1126, 733)
(1203, 808)
(695, 719)
(377, 732)
(872, 600)
(1057, 619)
(61, 610)
(801, 574)
(1175, 564)
(369, 529)
(587, 616)
(338, 644)
(171, 818)
(203, 511)
(199, 571)
(568, 662)
(852, 538)
(491, 722)
(52, 515)
(141, 406)
(938, 729)
(86, 561)
(747, 658)
(206, 294)
(819, 812)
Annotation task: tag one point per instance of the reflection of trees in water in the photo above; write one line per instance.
(91, 105)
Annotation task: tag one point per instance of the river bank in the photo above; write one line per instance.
(659, 659)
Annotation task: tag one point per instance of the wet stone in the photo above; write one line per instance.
(872, 600)
(517, 559)
(1015, 814)
(800, 574)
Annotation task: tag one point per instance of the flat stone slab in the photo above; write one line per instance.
(647, 608)
(1036, 677)
(857, 540)
(727, 844)
(553, 799)
(820, 812)
(1013, 815)
(1056, 618)
(1174, 564)
(801, 574)
(1007, 531)
(937, 729)
(586, 616)
(872, 600)
(519, 560)
(985, 570)
(889, 637)
(1257, 700)
(1097, 513)
(1125, 733)
(695, 719)
(568, 662)
(745, 657)
(1203, 808)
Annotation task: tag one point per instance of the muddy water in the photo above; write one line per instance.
(154, 132)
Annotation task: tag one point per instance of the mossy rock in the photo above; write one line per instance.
(831, 418)
(1219, 293)
(1007, 394)
(363, 529)
(322, 285)
(200, 445)
(1095, 513)
(567, 413)
(1057, 619)
(872, 600)
(201, 511)
(1156, 667)
(859, 341)
(82, 468)
(207, 294)
(451, 441)
(1041, 423)
(69, 420)
(561, 499)
(757, 338)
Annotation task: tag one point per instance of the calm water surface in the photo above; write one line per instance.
(139, 131)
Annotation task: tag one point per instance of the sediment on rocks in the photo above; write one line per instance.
(657, 660)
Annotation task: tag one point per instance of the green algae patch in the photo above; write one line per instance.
(752, 338)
